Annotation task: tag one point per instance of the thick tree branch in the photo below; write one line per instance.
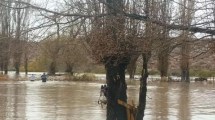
(171, 26)
(130, 15)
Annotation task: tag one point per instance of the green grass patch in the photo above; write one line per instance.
(202, 73)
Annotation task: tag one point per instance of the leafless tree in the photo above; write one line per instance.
(6, 34)
(20, 17)
(110, 46)
(164, 41)
(132, 28)
(187, 13)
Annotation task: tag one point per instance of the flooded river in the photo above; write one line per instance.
(57, 100)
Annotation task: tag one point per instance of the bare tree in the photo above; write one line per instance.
(164, 40)
(74, 55)
(186, 19)
(113, 48)
(6, 35)
(55, 49)
(19, 19)
(146, 55)
(132, 28)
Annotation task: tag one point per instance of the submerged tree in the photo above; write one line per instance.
(186, 19)
(6, 35)
(20, 19)
(50, 50)
(111, 47)
(164, 39)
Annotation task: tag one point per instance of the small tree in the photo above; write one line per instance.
(50, 49)
(73, 55)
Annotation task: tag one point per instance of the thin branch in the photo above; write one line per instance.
(54, 12)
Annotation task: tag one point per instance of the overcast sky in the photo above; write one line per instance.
(57, 5)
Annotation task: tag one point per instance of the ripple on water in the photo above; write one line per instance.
(78, 101)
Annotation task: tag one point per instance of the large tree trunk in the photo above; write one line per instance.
(143, 81)
(115, 75)
(116, 63)
(143, 87)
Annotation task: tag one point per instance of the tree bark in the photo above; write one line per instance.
(143, 81)
(143, 87)
(115, 75)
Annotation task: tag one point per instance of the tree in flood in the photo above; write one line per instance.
(149, 37)
(74, 55)
(50, 48)
(163, 39)
(133, 32)
(110, 46)
(13, 23)
(186, 20)
(6, 35)
(20, 19)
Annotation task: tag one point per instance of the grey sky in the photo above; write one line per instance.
(58, 5)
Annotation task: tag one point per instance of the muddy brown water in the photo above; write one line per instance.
(58, 100)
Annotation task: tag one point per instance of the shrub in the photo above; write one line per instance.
(84, 77)
(153, 72)
(88, 77)
(175, 73)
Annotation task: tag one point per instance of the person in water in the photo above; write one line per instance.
(103, 95)
(103, 90)
(32, 77)
(44, 77)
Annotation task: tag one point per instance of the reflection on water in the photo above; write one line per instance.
(78, 101)
(184, 101)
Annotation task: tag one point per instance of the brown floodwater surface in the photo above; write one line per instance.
(57, 100)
